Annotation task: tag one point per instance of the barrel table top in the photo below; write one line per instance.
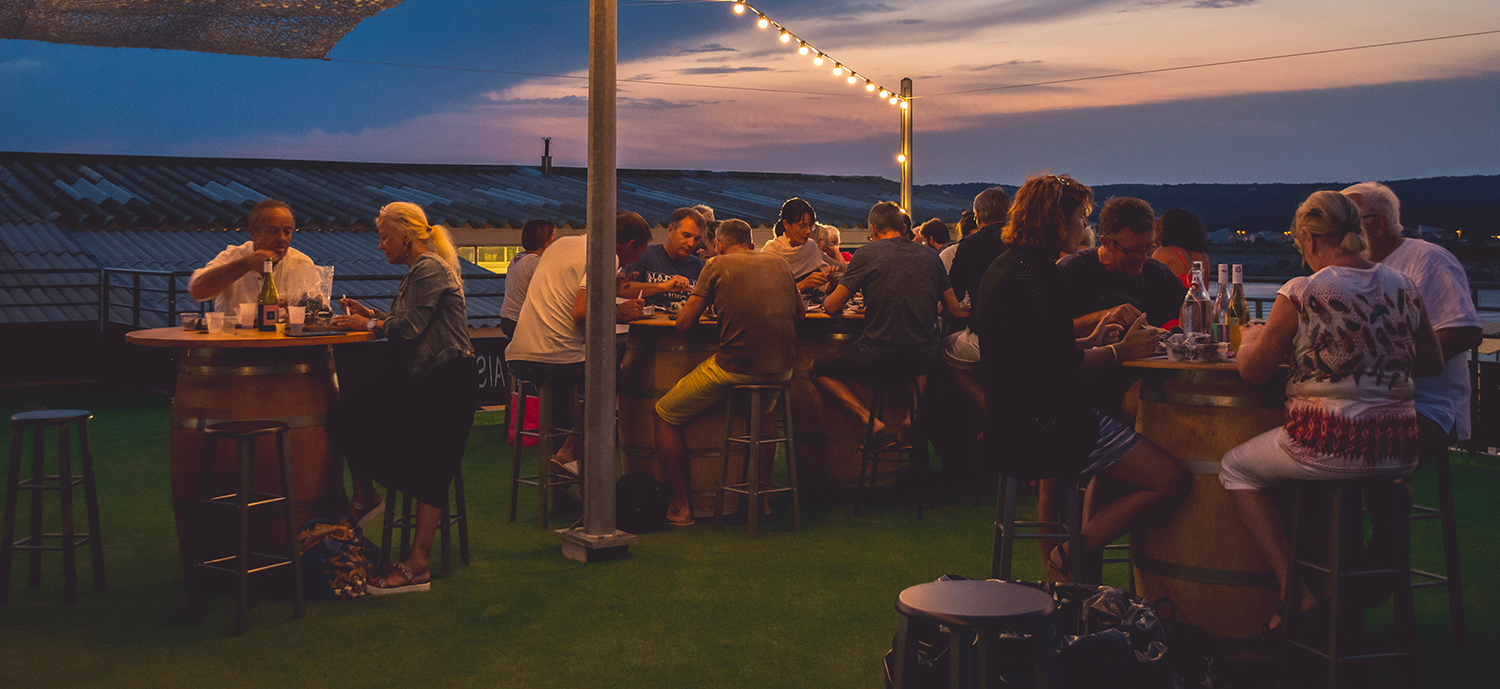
(1161, 362)
(239, 339)
(664, 320)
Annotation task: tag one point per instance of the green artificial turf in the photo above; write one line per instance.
(691, 607)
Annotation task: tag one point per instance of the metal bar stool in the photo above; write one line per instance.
(244, 562)
(546, 432)
(912, 454)
(68, 539)
(751, 485)
(407, 523)
(1386, 499)
(1446, 512)
(1006, 526)
(973, 612)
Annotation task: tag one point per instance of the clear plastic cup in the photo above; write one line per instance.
(247, 315)
(190, 321)
(295, 317)
(217, 321)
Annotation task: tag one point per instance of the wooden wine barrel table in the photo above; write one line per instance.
(827, 436)
(1200, 555)
(251, 375)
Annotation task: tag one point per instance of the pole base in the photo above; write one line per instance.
(577, 545)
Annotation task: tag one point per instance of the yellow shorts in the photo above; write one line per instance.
(706, 384)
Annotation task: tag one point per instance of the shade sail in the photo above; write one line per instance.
(266, 28)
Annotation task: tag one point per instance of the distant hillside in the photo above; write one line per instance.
(1471, 204)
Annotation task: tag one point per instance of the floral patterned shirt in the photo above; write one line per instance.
(1349, 394)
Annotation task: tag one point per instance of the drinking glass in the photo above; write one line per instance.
(247, 315)
(189, 321)
(295, 317)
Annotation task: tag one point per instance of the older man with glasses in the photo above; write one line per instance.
(1119, 281)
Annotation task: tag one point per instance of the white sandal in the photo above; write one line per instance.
(411, 582)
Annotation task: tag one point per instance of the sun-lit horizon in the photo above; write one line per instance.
(1424, 109)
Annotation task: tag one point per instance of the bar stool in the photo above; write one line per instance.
(244, 499)
(407, 522)
(1006, 525)
(913, 454)
(751, 485)
(1450, 578)
(546, 432)
(972, 612)
(1386, 500)
(63, 483)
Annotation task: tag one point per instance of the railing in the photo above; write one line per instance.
(105, 285)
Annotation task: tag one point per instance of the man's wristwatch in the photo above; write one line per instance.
(370, 325)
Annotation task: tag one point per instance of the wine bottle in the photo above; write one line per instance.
(1239, 311)
(1197, 309)
(1221, 302)
(265, 314)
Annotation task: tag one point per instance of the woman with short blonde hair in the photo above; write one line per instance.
(412, 437)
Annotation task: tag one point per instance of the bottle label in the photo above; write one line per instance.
(1239, 274)
(268, 317)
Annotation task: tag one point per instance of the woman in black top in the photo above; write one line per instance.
(411, 437)
(1039, 423)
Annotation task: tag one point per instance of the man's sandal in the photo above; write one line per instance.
(411, 581)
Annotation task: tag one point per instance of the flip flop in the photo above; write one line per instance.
(411, 585)
(362, 514)
(570, 469)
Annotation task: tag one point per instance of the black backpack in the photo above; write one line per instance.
(641, 503)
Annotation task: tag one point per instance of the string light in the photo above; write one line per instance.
(905, 105)
(901, 158)
(803, 48)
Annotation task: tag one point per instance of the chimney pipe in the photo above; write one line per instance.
(546, 155)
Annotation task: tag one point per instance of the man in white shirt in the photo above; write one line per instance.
(234, 276)
(549, 339)
(1442, 401)
(536, 236)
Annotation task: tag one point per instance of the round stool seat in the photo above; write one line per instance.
(974, 603)
(50, 417)
(763, 386)
(245, 429)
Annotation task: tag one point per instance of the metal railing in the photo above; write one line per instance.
(126, 288)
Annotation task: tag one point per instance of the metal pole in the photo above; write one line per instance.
(597, 539)
(906, 102)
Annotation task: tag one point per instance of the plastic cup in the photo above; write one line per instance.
(216, 320)
(296, 314)
(247, 315)
(190, 321)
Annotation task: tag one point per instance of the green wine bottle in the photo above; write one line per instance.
(265, 315)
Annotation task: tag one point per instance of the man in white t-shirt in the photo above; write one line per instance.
(548, 343)
(234, 276)
(1442, 401)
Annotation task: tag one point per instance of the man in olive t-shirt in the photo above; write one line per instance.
(758, 306)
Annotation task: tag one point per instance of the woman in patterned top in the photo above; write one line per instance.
(1354, 333)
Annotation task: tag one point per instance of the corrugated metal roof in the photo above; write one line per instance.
(80, 191)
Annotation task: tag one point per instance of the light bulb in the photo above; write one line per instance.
(739, 8)
(884, 93)
(851, 78)
(763, 23)
(802, 49)
(818, 60)
(869, 86)
(895, 100)
(837, 70)
(904, 105)
(900, 157)
(785, 37)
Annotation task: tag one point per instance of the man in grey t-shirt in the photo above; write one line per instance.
(536, 236)
(903, 283)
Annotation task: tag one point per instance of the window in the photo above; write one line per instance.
(495, 259)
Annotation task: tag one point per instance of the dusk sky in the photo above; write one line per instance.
(1408, 111)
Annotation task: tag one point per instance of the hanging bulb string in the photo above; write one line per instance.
(819, 57)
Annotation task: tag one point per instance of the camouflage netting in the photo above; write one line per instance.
(267, 28)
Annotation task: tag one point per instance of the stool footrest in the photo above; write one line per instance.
(259, 562)
(49, 483)
(26, 544)
(766, 489)
(1313, 565)
(1352, 656)
(256, 499)
(745, 440)
(558, 480)
(1433, 579)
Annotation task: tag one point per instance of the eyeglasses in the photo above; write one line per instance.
(1142, 252)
